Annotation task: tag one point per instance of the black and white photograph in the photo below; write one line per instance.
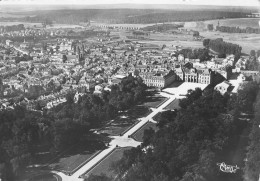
(129, 90)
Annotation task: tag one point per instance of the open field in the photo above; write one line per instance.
(248, 42)
(241, 22)
(138, 136)
(170, 37)
(12, 15)
(184, 44)
(104, 166)
(64, 26)
(160, 39)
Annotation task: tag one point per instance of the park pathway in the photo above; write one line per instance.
(120, 141)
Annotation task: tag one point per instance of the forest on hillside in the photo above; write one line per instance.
(129, 16)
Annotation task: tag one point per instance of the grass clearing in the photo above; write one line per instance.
(104, 167)
(71, 163)
(76, 156)
(173, 105)
(157, 116)
(38, 174)
(138, 135)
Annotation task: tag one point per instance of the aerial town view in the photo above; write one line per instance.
(129, 90)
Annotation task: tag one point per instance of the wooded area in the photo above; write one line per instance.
(222, 47)
(190, 143)
(23, 133)
(12, 28)
(202, 54)
(253, 163)
(162, 27)
(129, 16)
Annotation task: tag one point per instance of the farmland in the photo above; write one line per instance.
(242, 22)
(246, 41)
(11, 15)
(168, 39)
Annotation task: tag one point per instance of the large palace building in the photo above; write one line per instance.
(203, 76)
(158, 80)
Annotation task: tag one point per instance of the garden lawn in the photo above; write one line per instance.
(154, 101)
(125, 121)
(138, 135)
(75, 157)
(173, 105)
(104, 167)
(118, 126)
(71, 163)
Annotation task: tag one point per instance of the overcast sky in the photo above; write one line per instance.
(92, 2)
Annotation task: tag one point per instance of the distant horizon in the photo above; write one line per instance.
(43, 7)
(134, 2)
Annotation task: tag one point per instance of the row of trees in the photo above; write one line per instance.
(254, 53)
(18, 27)
(24, 133)
(162, 27)
(253, 63)
(190, 142)
(229, 29)
(253, 151)
(202, 54)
